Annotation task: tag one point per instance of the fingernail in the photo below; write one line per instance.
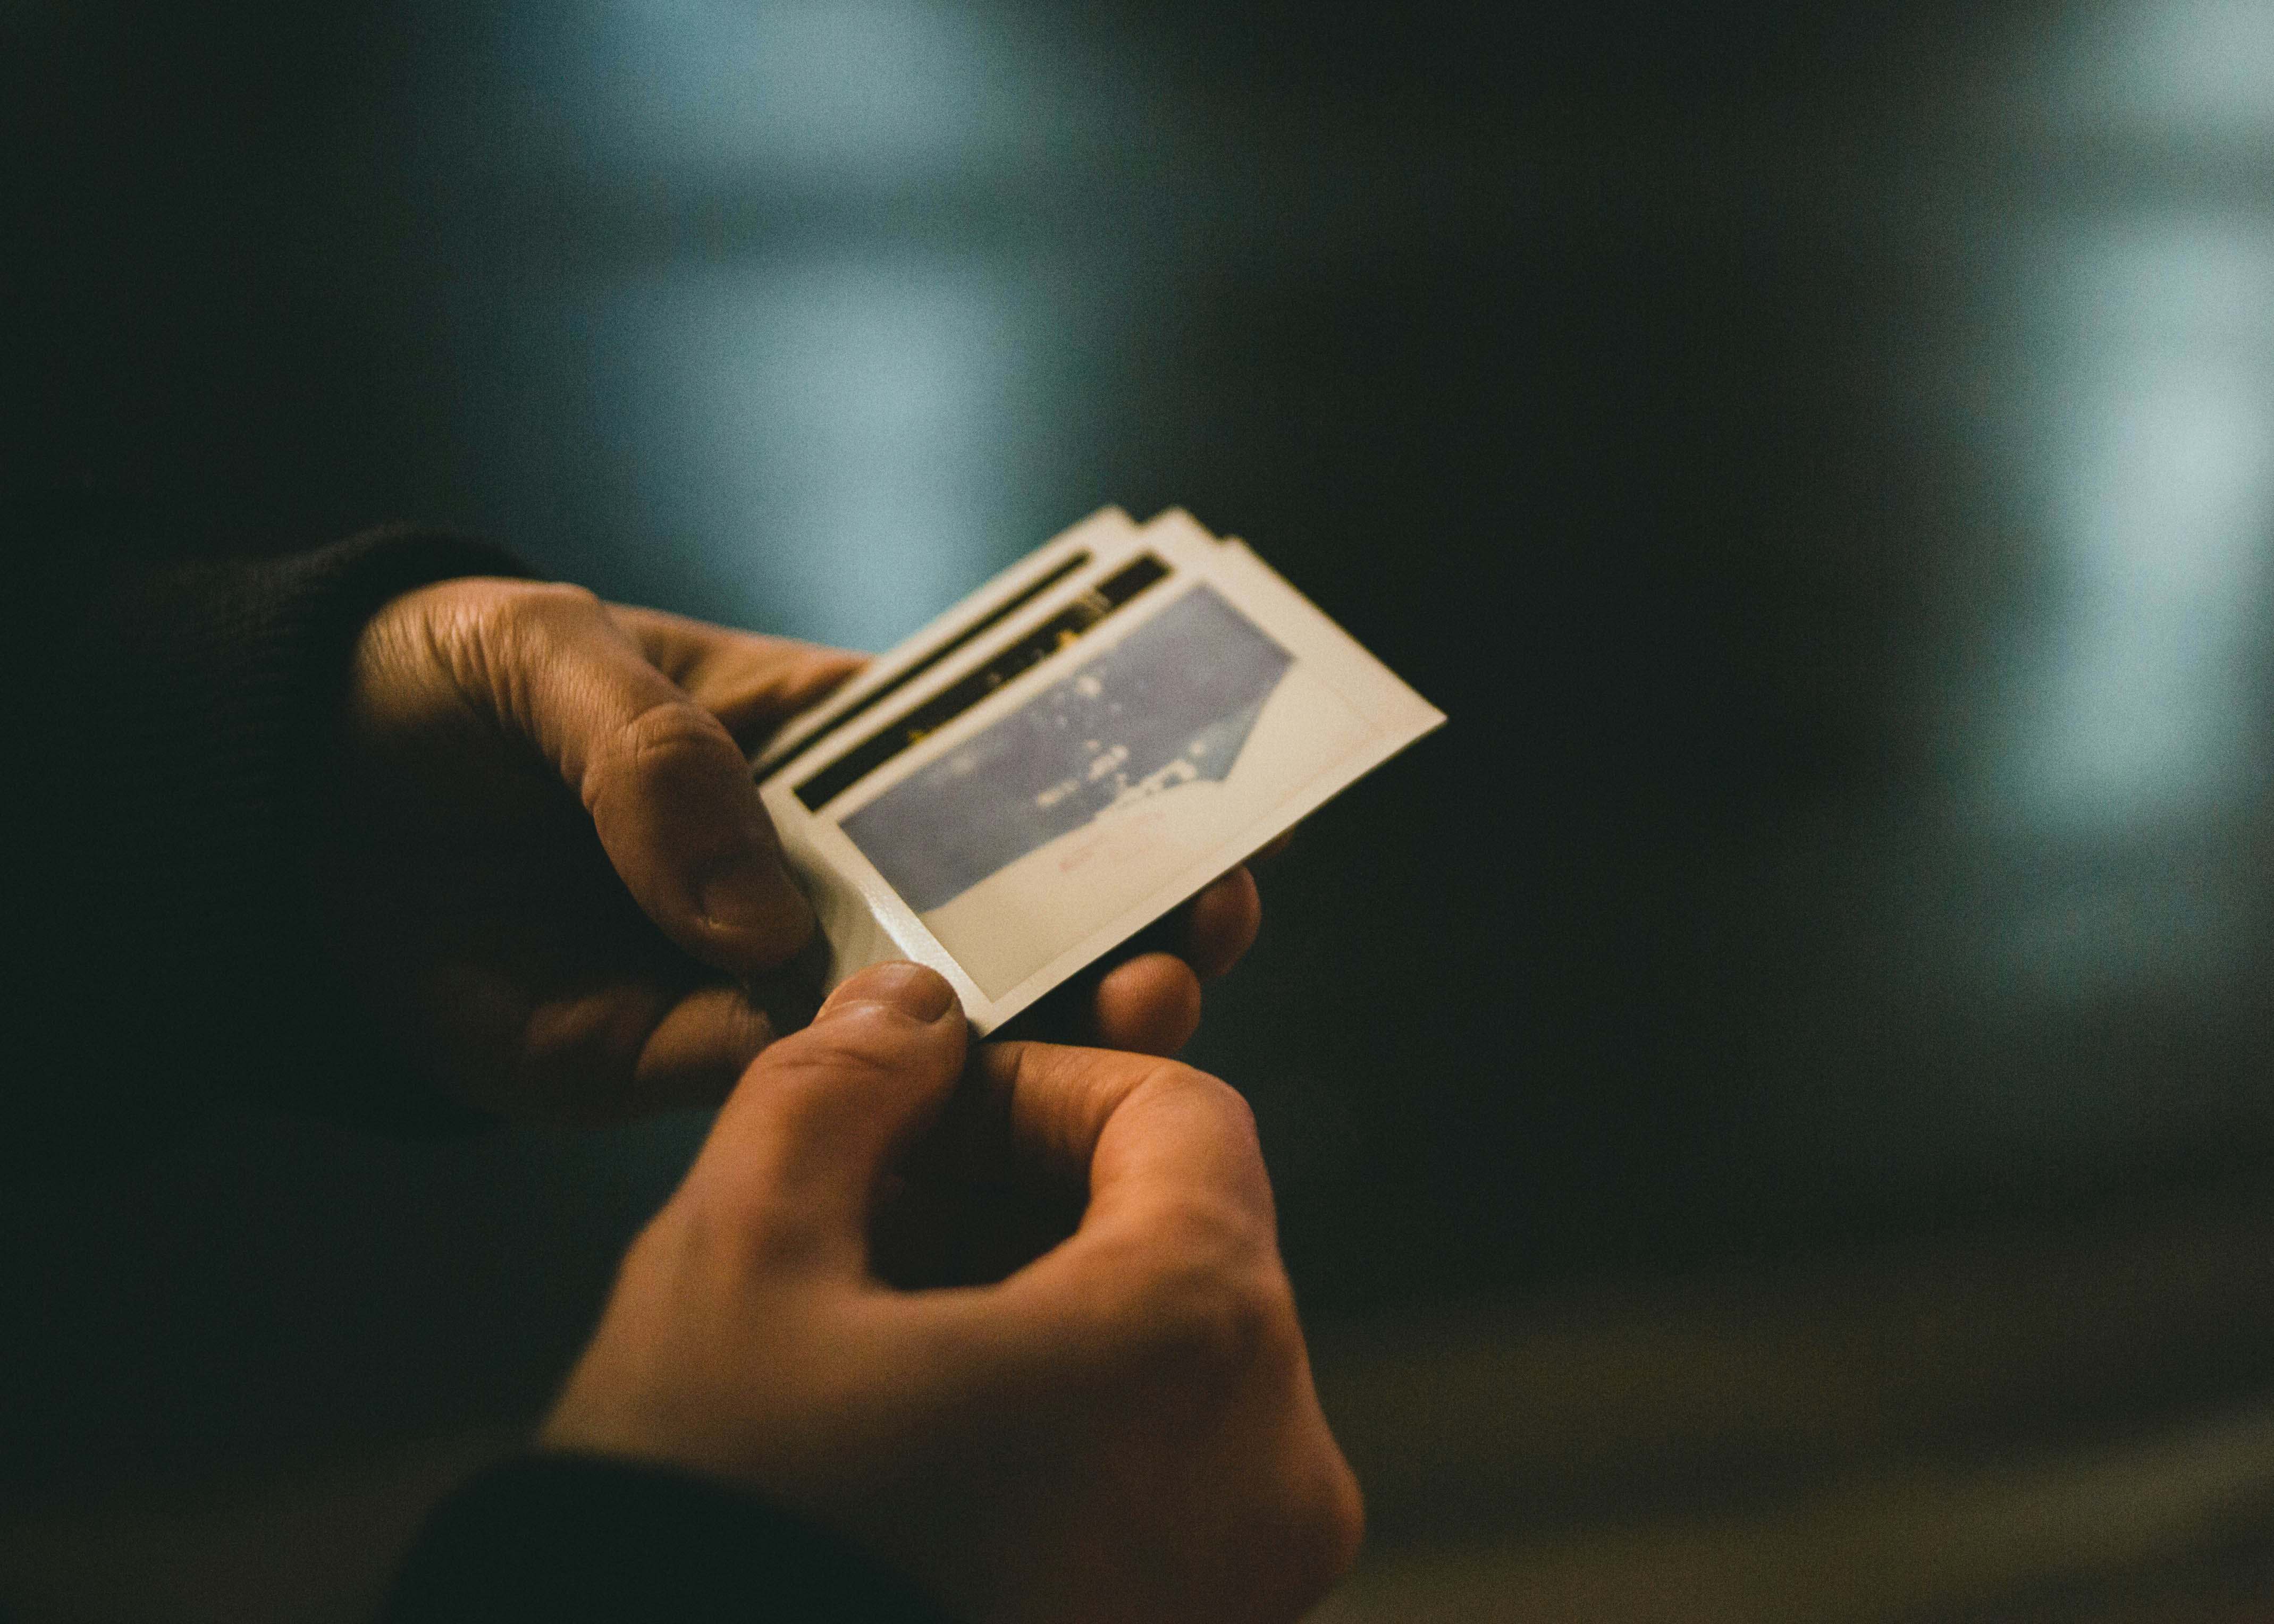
(750, 892)
(920, 993)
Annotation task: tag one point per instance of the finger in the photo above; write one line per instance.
(1150, 1005)
(1220, 925)
(1147, 1132)
(1150, 1002)
(800, 1151)
(751, 683)
(565, 1060)
(614, 1051)
(697, 1051)
(668, 789)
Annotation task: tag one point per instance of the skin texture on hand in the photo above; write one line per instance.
(546, 864)
(1118, 1426)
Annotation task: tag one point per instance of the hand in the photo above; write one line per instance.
(1123, 1429)
(548, 865)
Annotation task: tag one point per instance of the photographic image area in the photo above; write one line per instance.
(1052, 822)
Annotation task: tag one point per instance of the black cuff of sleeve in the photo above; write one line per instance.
(573, 1539)
(230, 677)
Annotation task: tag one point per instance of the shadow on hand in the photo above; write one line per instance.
(969, 1205)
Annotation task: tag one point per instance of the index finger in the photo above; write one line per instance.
(749, 681)
(1140, 1131)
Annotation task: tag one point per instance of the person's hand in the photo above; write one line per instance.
(548, 866)
(1121, 1430)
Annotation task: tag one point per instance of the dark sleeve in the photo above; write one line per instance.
(173, 721)
(574, 1540)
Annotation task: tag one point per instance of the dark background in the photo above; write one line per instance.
(1821, 457)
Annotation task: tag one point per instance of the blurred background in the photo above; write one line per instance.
(1772, 1108)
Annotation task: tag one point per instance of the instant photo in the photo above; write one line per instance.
(1172, 705)
(1065, 626)
(1087, 741)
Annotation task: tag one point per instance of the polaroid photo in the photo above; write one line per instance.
(1082, 745)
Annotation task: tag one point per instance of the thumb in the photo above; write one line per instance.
(797, 1155)
(668, 789)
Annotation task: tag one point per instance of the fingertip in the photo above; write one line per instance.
(701, 1047)
(1273, 850)
(1150, 1006)
(792, 677)
(750, 899)
(1222, 923)
(880, 1058)
(917, 991)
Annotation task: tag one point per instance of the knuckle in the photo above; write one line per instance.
(1212, 1311)
(544, 605)
(507, 630)
(531, 617)
(810, 1070)
(1197, 1091)
(675, 741)
(865, 1046)
(1228, 1102)
(1349, 1526)
(1328, 1518)
(672, 731)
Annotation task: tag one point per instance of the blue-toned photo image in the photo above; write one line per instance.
(1172, 703)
